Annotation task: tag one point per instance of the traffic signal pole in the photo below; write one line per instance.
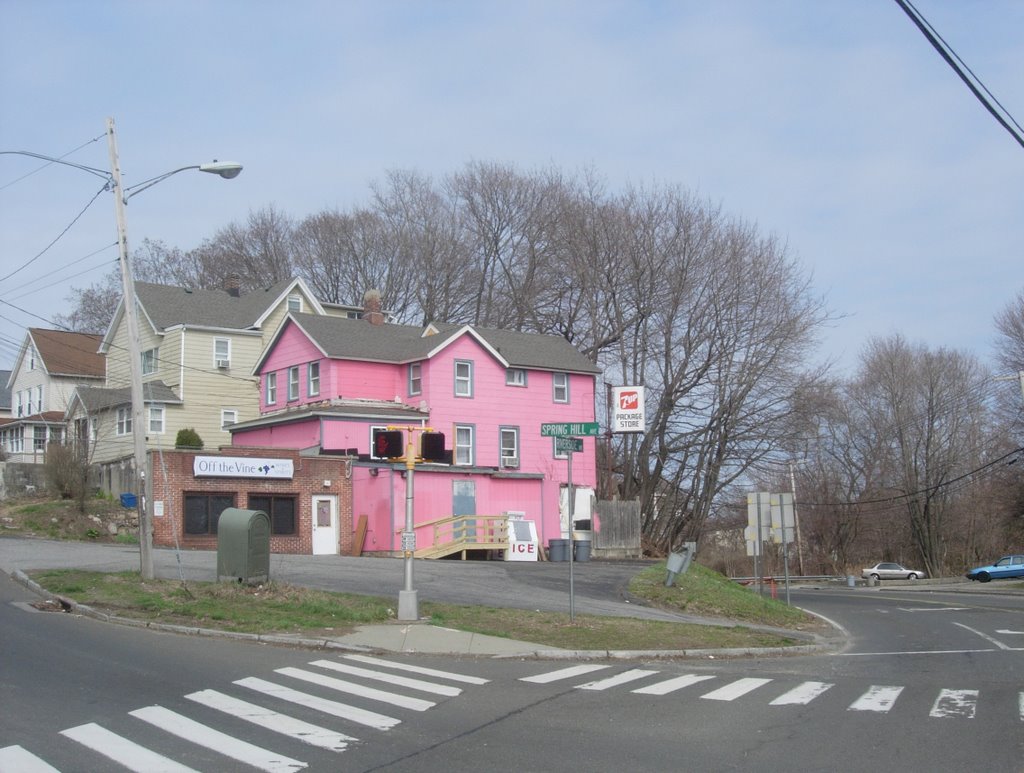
(408, 602)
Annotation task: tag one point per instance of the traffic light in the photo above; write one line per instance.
(432, 447)
(388, 444)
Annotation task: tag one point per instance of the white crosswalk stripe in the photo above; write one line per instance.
(734, 690)
(334, 708)
(398, 681)
(394, 699)
(802, 694)
(671, 685)
(273, 720)
(563, 673)
(614, 681)
(127, 753)
(878, 698)
(14, 759)
(449, 675)
(222, 743)
(955, 703)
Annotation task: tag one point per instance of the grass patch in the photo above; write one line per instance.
(280, 608)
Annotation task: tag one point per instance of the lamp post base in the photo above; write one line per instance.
(408, 605)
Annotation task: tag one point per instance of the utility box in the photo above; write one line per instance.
(243, 546)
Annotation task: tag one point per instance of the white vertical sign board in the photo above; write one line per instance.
(628, 409)
(782, 518)
(765, 522)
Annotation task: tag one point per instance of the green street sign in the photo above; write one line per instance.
(570, 429)
(568, 445)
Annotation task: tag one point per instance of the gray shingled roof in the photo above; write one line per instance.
(104, 398)
(364, 410)
(357, 339)
(168, 306)
(5, 392)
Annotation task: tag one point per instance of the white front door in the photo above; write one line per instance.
(325, 525)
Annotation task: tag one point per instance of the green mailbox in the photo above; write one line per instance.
(243, 545)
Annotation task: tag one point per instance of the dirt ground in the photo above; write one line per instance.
(103, 520)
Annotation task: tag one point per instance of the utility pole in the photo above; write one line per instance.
(134, 362)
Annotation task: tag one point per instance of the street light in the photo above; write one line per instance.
(228, 171)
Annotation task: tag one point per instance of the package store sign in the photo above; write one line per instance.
(628, 409)
(242, 467)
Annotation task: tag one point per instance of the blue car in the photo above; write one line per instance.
(1007, 566)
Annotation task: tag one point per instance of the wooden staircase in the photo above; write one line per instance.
(460, 534)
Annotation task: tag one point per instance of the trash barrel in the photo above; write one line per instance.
(581, 549)
(851, 581)
(558, 550)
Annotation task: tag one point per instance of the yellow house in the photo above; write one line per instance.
(198, 351)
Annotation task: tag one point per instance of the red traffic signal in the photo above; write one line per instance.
(388, 444)
(432, 447)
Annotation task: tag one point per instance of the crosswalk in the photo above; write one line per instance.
(877, 699)
(321, 691)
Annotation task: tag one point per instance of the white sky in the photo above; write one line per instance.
(831, 123)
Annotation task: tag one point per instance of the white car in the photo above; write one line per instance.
(887, 570)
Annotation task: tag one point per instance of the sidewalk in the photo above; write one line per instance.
(537, 586)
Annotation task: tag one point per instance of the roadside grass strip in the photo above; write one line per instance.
(273, 720)
(222, 743)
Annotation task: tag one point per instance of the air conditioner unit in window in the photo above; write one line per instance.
(510, 461)
(223, 363)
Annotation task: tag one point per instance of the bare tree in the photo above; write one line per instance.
(258, 251)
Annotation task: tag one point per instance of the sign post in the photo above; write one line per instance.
(566, 442)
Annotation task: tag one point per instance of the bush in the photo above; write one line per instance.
(188, 438)
(67, 473)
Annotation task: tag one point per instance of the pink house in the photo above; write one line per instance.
(328, 384)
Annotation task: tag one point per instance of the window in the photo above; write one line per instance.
(202, 511)
(464, 452)
(463, 378)
(281, 510)
(28, 405)
(415, 378)
(313, 379)
(150, 358)
(294, 303)
(21, 409)
(39, 398)
(124, 421)
(228, 416)
(293, 382)
(31, 357)
(38, 438)
(515, 377)
(560, 384)
(156, 420)
(271, 388)
(509, 453)
(221, 352)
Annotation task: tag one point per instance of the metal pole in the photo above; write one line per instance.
(796, 521)
(758, 551)
(134, 362)
(408, 602)
(572, 512)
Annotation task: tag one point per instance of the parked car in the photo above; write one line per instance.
(887, 570)
(1007, 566)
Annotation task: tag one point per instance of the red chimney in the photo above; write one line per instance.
(233, 285)
(371, 308)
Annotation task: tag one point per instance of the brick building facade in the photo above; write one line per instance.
(308, 498)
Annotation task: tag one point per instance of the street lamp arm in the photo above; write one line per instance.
(224, 169)
(91, 170)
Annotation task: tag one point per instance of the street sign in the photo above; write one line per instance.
(566, 445)
(570, 429)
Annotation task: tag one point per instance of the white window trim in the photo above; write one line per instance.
(555, 387)
(417, 379)
(512, 377)
(467, 380)
(151, 412)
(312, 382)
(225, 355)
(123, 422)
(153, 361)
(294, 300)
(224, 412)
(472, 445)
(503, 457)
(271, 388)
(293, 383)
